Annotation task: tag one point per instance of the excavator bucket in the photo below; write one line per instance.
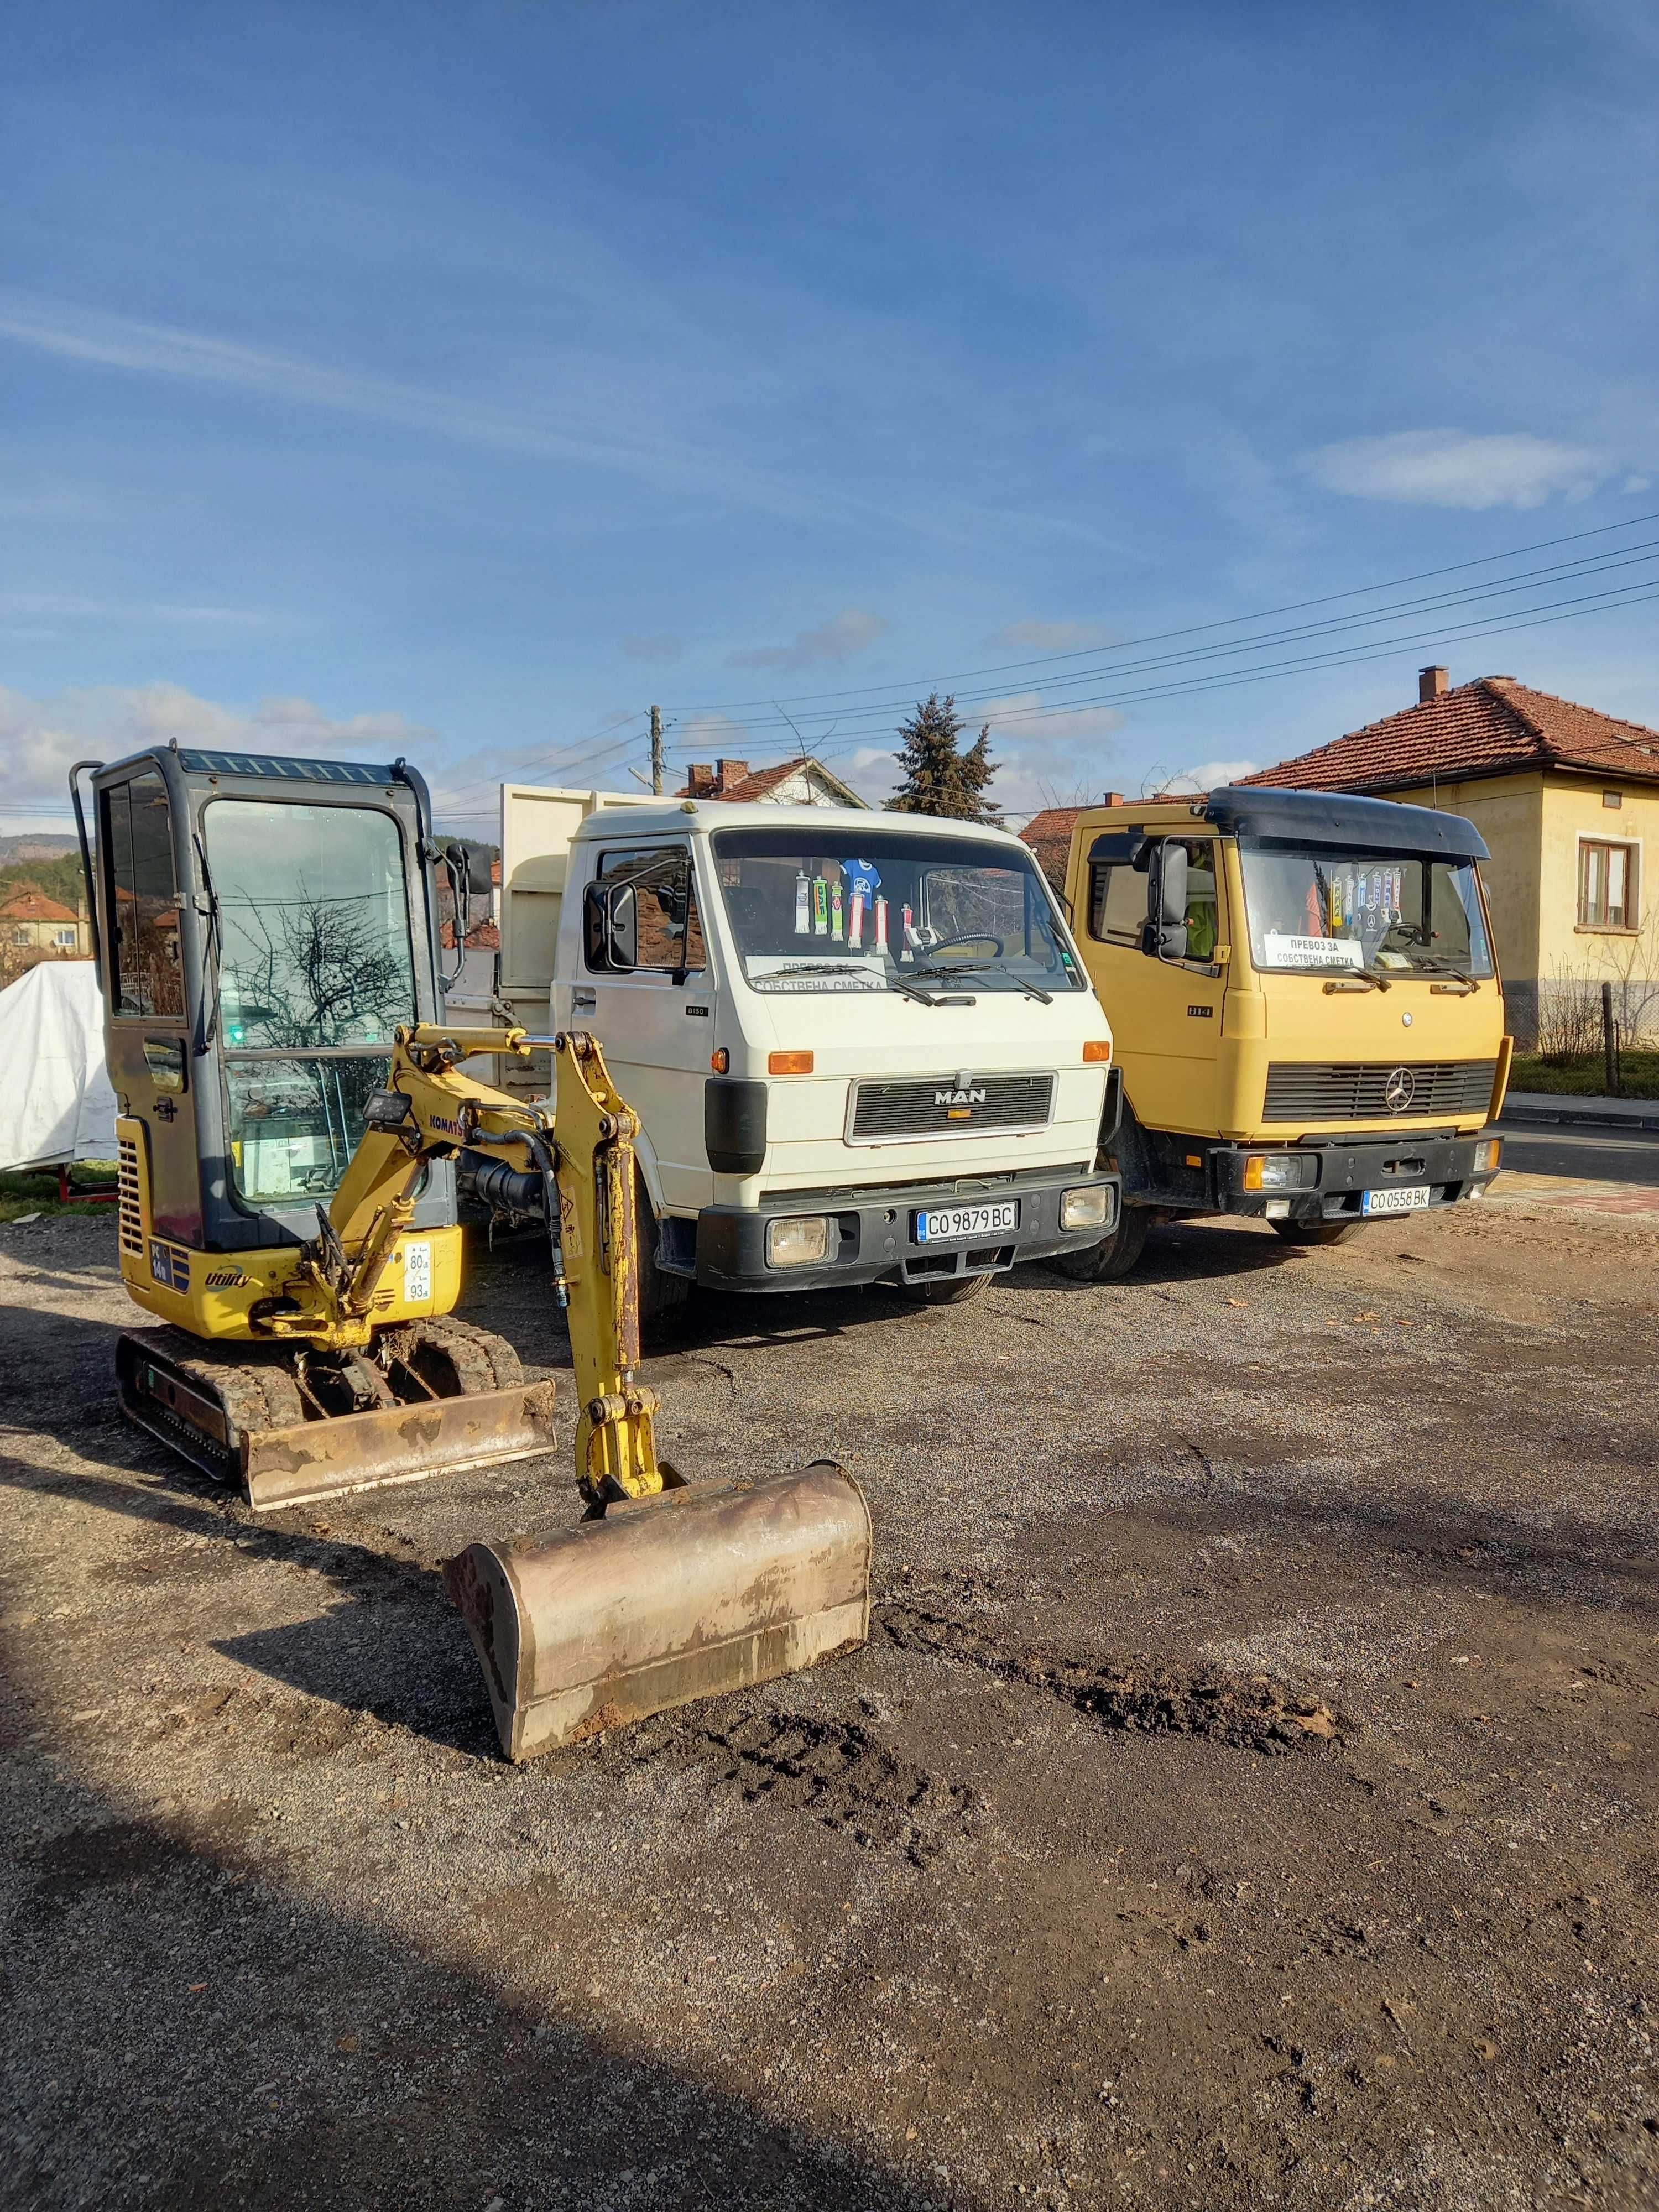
(242, 1418)
(684, 1595)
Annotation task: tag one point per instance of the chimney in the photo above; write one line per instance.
(700, 779)
(1111, 799)
(1431, 684)
(732, 773)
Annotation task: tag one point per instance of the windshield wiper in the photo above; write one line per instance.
(852, 968)
(1444, 968)
(1361, 976)
(989, 968)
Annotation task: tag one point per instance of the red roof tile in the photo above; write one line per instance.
(1049, 837)
(34, 906)
(1492, 726)
(761, 780)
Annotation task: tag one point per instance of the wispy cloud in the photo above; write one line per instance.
(1025, 719)
(1457, 468)
(39, 738)
(123, 342)
(850, 632)
(658, 650)
(1210, 775)
(61, 606)
(1035, 636)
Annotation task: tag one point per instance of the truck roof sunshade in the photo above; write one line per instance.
(1332, 817)
(1120, 845)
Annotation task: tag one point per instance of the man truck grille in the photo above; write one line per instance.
(942, 1105)
(1377, 1091)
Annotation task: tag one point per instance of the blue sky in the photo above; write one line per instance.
(460, 380)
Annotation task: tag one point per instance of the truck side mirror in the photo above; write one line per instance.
(1164, 936)
(610, 914)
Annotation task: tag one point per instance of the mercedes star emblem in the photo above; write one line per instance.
(1399, 1090)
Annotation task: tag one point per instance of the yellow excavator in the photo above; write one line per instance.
(296, 1119)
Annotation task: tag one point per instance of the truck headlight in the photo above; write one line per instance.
(1280, 1171)
(1086, 1208)
(800, 1240)
(1487, 1154)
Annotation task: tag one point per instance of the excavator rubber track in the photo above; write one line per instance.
(239, 1412)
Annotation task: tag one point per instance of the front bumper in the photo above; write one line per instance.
(873, 1231)
(1345, 1169)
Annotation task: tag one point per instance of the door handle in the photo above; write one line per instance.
(584, 1002)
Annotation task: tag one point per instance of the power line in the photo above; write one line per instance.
(1195, 630)
(1236, 649)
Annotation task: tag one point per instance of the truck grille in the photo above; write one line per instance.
(940, 1105)
(1360, 1091)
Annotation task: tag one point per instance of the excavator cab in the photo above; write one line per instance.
(264, 927)
(294, 1116)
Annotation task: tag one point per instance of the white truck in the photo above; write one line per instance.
(862, 1047)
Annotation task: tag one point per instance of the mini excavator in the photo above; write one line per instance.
(296, 1121)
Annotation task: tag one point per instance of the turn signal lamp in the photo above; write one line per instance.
(789, 1063)
(1487, 1153)
(1280, 1171)
(719, 1059)
(1097, 1049)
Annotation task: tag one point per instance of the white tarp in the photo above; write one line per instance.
(55, 1099)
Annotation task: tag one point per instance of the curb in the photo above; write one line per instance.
(1573, 1114)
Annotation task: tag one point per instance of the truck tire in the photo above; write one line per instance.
(1318, 1232)
(662, 1294)
(1115, 1256)
(944, 1290)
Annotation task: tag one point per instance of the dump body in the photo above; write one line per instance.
(807, 1120)
(1313, 1032)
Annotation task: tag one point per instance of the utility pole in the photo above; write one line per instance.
(656, 750)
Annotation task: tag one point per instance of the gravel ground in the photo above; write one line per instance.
(1246, 1797)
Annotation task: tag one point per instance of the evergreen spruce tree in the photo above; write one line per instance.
(939, 778)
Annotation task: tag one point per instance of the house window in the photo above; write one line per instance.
(1606, 885)
(64, 940)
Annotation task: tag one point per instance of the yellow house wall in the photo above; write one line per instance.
(1573, 809)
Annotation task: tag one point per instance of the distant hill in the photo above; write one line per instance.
(34, 845)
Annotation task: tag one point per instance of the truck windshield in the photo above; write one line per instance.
(850, 908)
(315, 972)
(1374, 912)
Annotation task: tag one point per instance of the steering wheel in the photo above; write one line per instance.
(968, 937)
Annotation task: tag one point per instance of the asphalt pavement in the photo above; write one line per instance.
(1601, 1155)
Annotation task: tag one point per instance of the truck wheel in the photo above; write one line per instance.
(1114, 1255)
(1318, 1232)
(661, 1294)
(944, 1290)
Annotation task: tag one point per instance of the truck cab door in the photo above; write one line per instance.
(645, 989)
(1156, 974)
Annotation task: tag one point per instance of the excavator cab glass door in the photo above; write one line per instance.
(315, 973)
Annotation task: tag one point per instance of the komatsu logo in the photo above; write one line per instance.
(963, 1094)
(449, 1128)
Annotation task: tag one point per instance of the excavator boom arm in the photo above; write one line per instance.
(432, 1109)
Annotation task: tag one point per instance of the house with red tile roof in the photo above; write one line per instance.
(1567, 798)
(1049, 834)
(29, 920)
(802, 781)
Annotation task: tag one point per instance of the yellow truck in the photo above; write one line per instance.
(1306, 1010)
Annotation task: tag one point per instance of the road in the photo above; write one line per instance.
(1602, 1154)
(1249, 1797)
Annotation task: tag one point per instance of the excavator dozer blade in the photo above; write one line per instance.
(310, 1460)
(683, 1595)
